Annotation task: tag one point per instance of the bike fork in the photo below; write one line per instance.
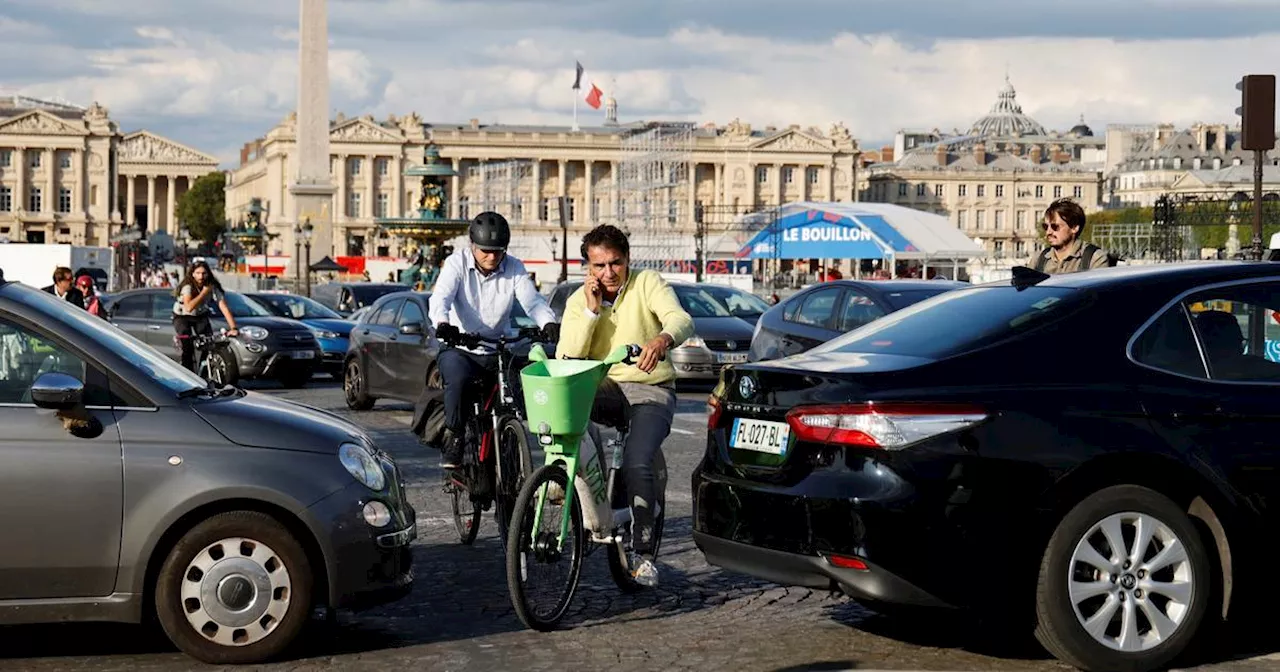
(555, 454)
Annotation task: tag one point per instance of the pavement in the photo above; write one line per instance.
(700, 618)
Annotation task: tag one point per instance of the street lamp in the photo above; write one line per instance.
(564, 239)
(302, 235)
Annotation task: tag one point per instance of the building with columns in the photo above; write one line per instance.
(1154, 160)
(731, 167)
(68, 175)
(994, 181)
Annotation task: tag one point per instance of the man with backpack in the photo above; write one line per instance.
(1067, 252)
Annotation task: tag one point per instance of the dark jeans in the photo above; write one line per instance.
(186, 325)
(460, 370)
(652, 410)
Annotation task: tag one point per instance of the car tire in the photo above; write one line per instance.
(201, 606)
(355, 388)
(1099, 609)
(223, 368)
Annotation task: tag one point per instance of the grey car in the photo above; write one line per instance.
(129, 487)
(267, 347)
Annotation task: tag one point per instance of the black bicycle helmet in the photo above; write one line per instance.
(490, 232)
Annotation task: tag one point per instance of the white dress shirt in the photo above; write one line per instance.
(481, 304)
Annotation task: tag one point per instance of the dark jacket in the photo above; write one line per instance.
(74, 295)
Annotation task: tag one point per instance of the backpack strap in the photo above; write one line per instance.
(1042, 259)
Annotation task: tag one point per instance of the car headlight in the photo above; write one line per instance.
(255, 333)
(359, 461)
(324, 333)
(693, 342)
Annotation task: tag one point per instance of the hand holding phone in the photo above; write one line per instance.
(593, 293)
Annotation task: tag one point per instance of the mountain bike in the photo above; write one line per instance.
(496, 456)
(560, 404)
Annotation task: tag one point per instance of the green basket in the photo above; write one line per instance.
(561, 392)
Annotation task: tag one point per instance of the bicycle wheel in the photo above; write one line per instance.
(619, 567)
(514, 453)
(532, 558)
(466, 513)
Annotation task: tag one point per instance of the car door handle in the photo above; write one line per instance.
(154, 327)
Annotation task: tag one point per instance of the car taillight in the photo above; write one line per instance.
(714, 409)
(888, 426)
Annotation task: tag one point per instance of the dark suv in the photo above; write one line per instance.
(267, 347)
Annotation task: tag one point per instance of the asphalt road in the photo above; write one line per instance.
(700, 618)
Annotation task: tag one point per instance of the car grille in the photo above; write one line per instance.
(291, 338)
(721, 345)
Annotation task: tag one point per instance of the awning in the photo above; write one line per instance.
(858, 231)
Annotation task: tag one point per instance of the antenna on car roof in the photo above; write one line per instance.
(1024, 277)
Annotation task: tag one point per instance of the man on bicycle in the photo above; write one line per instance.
(616, 307)
(474, 294)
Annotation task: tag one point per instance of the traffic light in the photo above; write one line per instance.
(1258, 111)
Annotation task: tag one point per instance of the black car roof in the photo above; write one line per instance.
(1193, 272)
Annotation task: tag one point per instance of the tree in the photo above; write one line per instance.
(203, 208)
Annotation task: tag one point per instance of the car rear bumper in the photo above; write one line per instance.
(810, 571)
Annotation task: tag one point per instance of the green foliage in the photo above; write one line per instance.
(1121, 216)
(203, 208)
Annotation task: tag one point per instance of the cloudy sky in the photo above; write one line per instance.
(215, 74)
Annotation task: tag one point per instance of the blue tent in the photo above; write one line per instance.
(858, 231)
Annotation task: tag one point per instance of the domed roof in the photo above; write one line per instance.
(1006, 117)
(1082, 130)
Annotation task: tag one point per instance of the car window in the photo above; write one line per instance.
(161, 305)
(902, 298)
(412, 313)
(959, 321)
(738, 302)
(859, 309)
(1238, 329)
(135, 306)
(1168, 344)
(296, 307)
(698, 303)
(364, 295)
(25, 355)
(386, 317)
(818, 307)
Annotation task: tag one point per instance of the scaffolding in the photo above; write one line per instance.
(652, 200)
(1127, 240)
(499, 189)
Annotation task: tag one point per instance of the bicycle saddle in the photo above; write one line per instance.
(611, 407)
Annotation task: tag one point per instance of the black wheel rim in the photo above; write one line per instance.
(547, 577)
(217, 369)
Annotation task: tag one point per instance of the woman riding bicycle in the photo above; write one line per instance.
(616, 307)
(197, 294)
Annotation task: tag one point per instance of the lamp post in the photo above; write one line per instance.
(306, 239)
(564, 239)
(297, 256)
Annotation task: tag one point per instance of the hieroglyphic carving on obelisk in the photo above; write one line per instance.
(312, 186)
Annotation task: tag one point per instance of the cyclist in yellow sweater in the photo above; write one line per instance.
(617, 307)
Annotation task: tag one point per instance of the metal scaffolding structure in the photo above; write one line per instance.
(651, 200)
(1187, 224)
(1127, 240)
(500, 183)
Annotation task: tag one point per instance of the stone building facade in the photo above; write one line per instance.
(1152, 161)
(69, 175)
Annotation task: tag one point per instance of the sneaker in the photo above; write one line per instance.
(451, 454)
(643, 570)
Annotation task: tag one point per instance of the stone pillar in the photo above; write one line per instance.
(312, 187)
(782, 186)
(693, 192)
(717, 196)
(561, 190)
(613, 193)
(152, 220)
(131, 204)
(170, 225)
(455, 191)
(831, 181)
(371, 185)
(50, 201)
(80, 194)
(752, 183)
(397, 209)
(590, 192)
(340, 174)
(537, 191)
(20, 189)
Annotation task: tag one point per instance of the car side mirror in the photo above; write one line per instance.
(57, 391)
(411, 329)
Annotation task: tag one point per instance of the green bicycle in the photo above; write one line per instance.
(542, 539)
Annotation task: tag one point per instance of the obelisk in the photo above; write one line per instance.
(312, 187)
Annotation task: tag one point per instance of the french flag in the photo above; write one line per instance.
(593, 96)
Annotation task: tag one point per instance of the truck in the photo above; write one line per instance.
(33, 264)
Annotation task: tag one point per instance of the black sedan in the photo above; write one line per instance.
(393, 350)
(1092, 454)
(819, 313)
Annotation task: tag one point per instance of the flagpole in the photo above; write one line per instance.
(575, 111)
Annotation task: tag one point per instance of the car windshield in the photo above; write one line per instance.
(737, 302)
(958, 321)
(698, 303)
(149, 360)
(296, 307)
(243, 306)
(519, 319)
(909, 297)
(367, 294)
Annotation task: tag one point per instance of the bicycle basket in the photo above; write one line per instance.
(561, 392)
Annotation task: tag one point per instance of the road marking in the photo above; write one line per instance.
(686, 432)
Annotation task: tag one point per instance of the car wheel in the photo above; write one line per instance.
(354, 387)
(1124, 583)
(236, 589)
(223, 369)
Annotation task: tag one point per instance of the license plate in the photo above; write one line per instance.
(735, 358)
(302, 354)
(761, 436)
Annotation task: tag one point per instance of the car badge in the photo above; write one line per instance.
(746, 387)
(732, 345)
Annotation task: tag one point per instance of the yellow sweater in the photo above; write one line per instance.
(646, 306)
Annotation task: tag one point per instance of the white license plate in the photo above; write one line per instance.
(761, 436)
(302, 354)
(734, 358)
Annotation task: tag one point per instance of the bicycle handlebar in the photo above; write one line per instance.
(473, 340)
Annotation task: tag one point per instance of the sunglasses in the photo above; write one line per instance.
(1053, 226)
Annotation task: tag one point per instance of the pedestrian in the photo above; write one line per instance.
(91, 301)
(63, 288)
(1067, 252)
(197, 294)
